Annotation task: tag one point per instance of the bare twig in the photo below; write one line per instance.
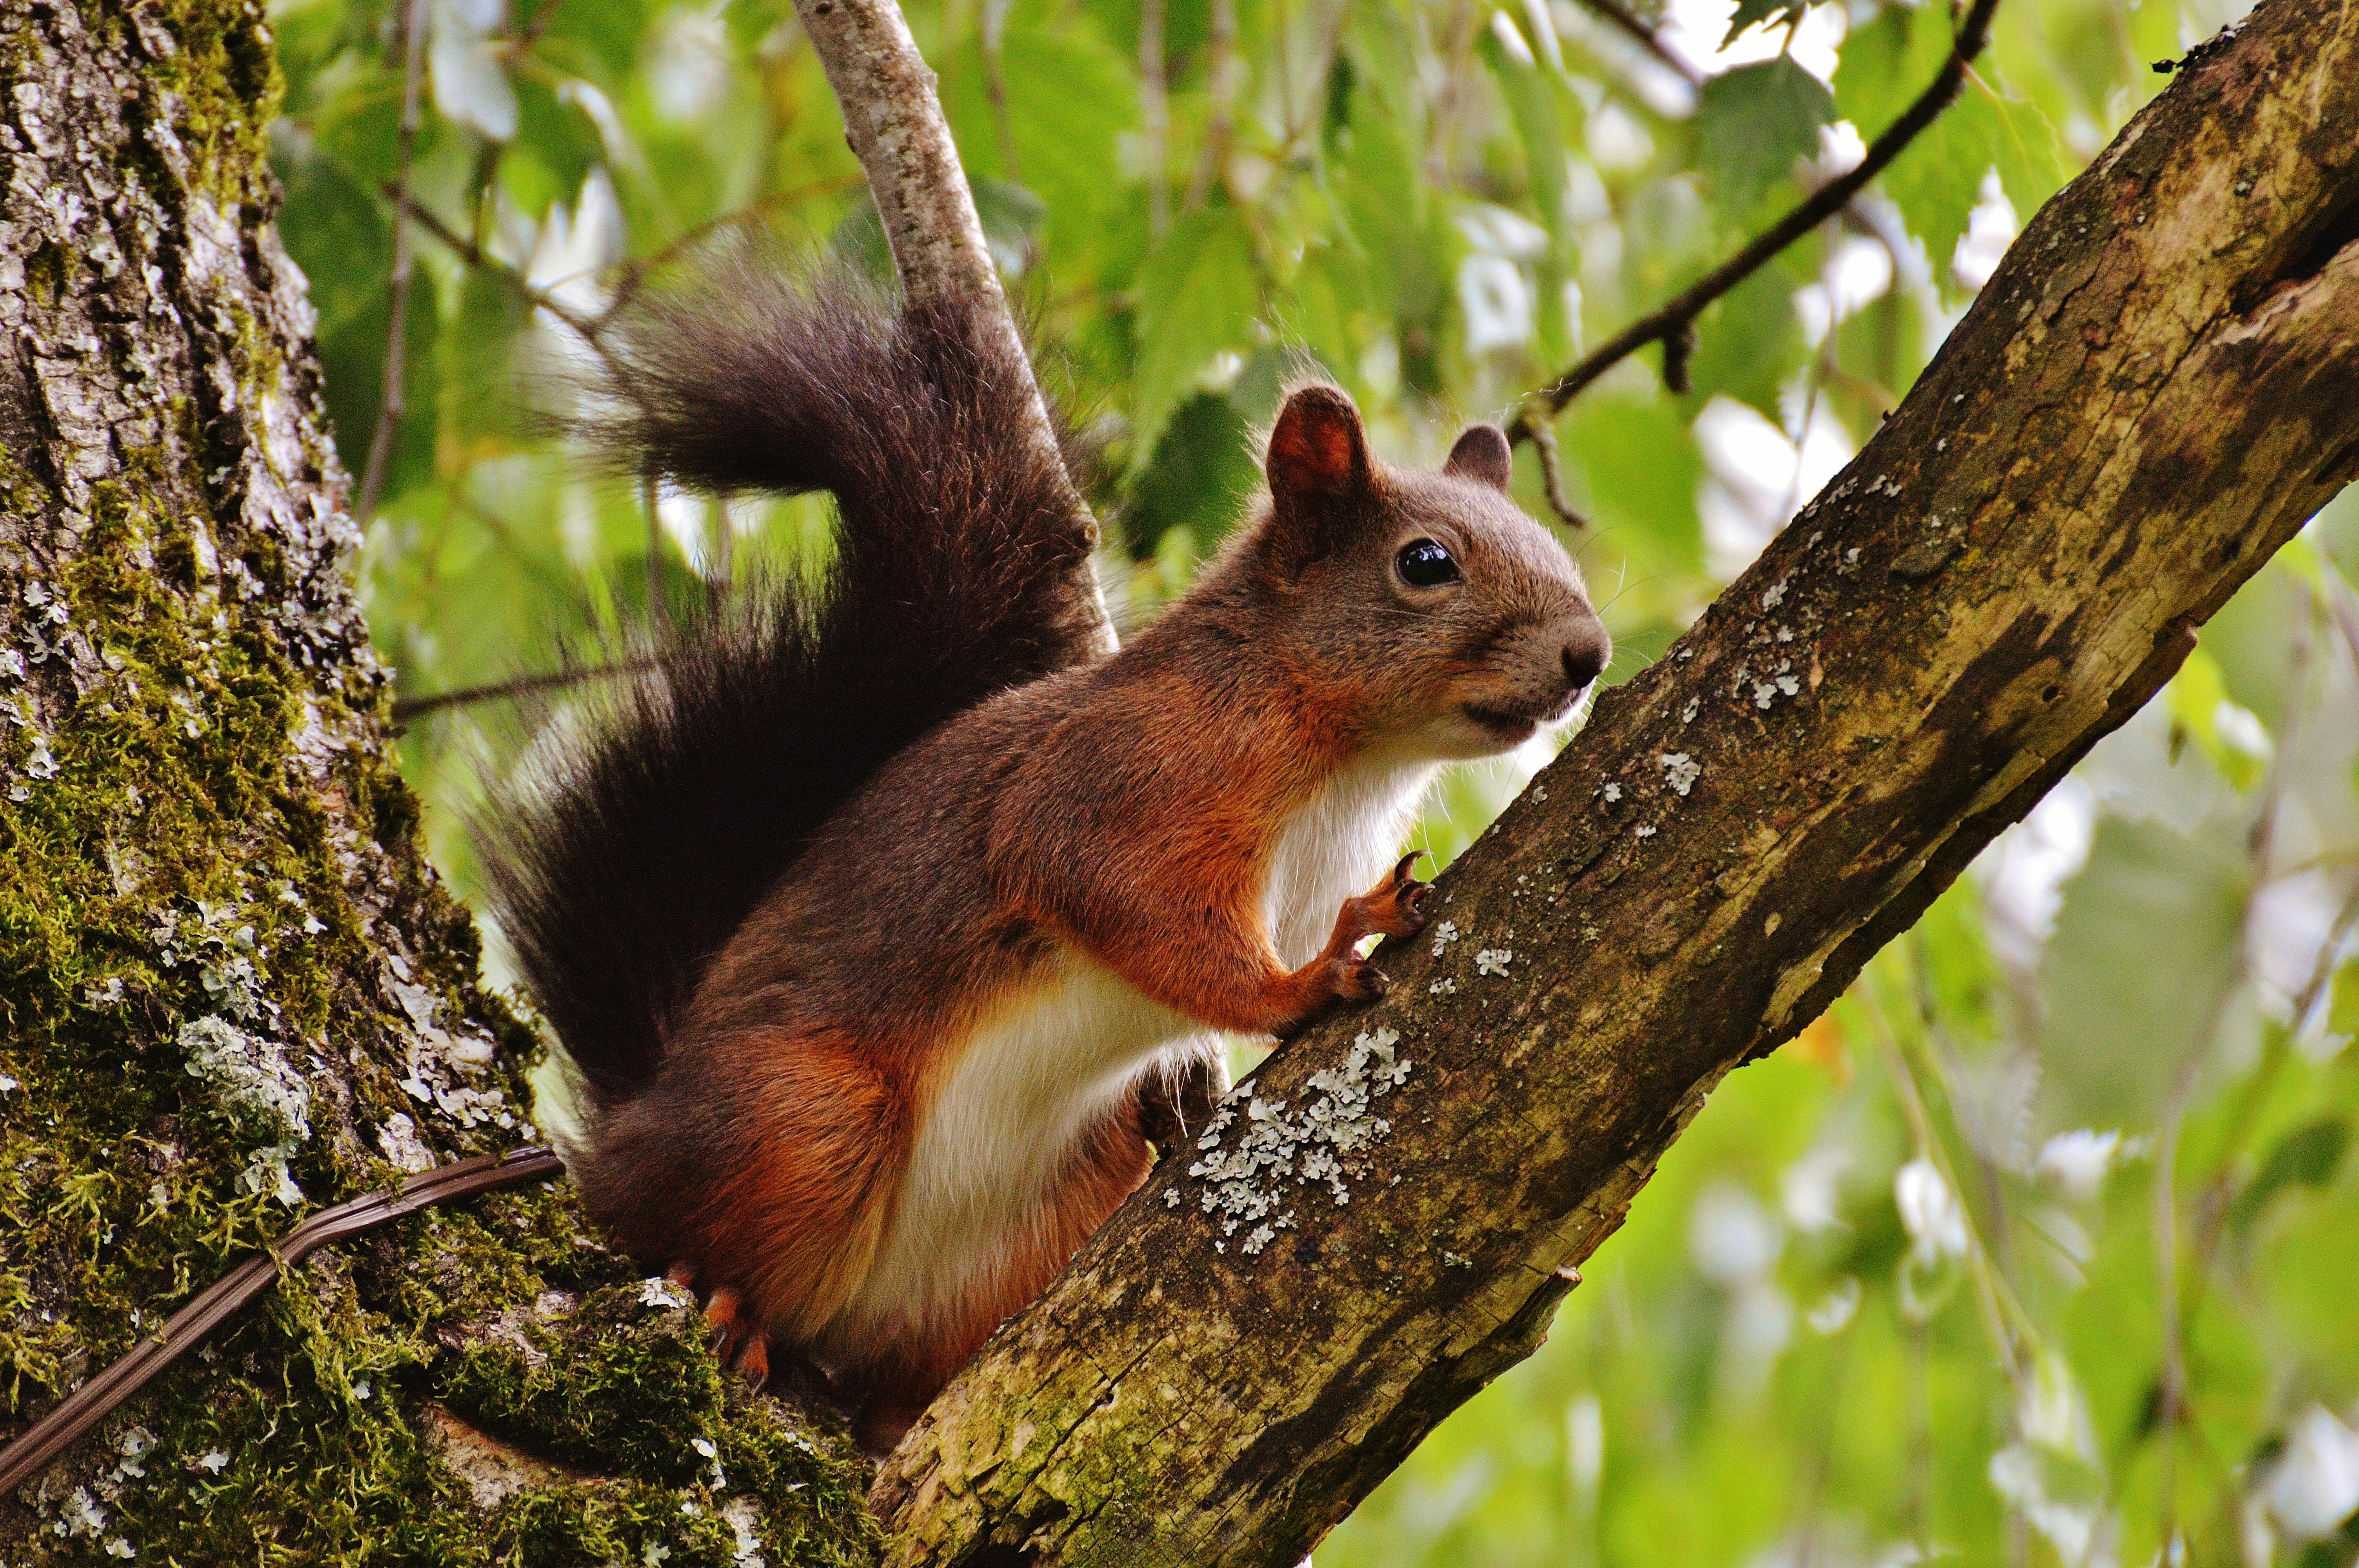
(1552, 476)
(1227, 72)
(475, 256)
(1678, 314)
(1628, 21)
(408, 708)
(389, 402)
(636, 272)
(1154, 107)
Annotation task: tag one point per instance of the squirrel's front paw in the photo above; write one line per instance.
(1397, 906)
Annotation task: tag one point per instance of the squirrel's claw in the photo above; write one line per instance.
(739, 1342)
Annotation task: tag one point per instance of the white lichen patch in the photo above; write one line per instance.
(1775, 593)
(1445, 986)
(1494, 960)
(1612, 791)
(1246, 1184)
(655, 1290)
(223, 947)
(1643, 830)
(397, 1140)
(1443, 936)
(742, 1514)
(1680, 771)
(260, 1092)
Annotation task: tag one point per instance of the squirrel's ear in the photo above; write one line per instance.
(1318, 452)
(1482, 455)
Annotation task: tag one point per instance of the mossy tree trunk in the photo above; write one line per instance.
(230, 987)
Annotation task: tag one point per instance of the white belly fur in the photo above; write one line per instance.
(1056, 1058)
(1336, 847)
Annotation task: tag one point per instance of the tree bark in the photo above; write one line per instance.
(231, 988)
(2156, 389)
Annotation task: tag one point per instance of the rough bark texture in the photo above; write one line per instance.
(2157, 388)
(893, 118)
(230, 987)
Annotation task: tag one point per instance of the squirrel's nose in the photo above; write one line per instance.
(1585, 653)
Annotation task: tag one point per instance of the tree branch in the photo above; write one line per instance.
(408, 708)
(1629, 22)
(1673, 325)
(482, 259)
(893, 120)
(2157, 388)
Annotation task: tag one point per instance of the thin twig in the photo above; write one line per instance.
(1678, 314)
(409, 707)
(542, 15)
(1552, 477)
(389, 400)
(475, 256)
(1155, 108)
(1227, 69)
(636, 271)
(1630, 22)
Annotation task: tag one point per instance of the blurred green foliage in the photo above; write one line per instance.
(2043, 1246)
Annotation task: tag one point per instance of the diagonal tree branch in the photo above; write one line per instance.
(1673, 324)
(1634, 26)
(2157, 388)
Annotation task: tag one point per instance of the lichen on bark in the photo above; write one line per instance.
(231, 988)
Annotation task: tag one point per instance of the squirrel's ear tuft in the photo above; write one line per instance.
(1317, 451)
(1481, 456)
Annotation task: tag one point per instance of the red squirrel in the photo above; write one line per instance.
(879, 921)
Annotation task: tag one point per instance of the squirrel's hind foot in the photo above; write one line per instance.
(739, 1341)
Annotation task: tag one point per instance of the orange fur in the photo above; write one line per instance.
(912, 1082)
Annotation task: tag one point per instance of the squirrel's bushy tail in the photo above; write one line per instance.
(640, 843)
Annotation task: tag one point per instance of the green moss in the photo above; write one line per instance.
(201, 822)
(623, 1384)
(222, 76)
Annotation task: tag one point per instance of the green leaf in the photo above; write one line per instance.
(2309, 1156)
(1751, 11)
(1198, 294)
(1537, 110)
(2230, 735)
(2342, 1010)
(1202, 472)
(1754, 121)
(1938, 178)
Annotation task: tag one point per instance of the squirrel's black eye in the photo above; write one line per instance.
(1424, 564)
